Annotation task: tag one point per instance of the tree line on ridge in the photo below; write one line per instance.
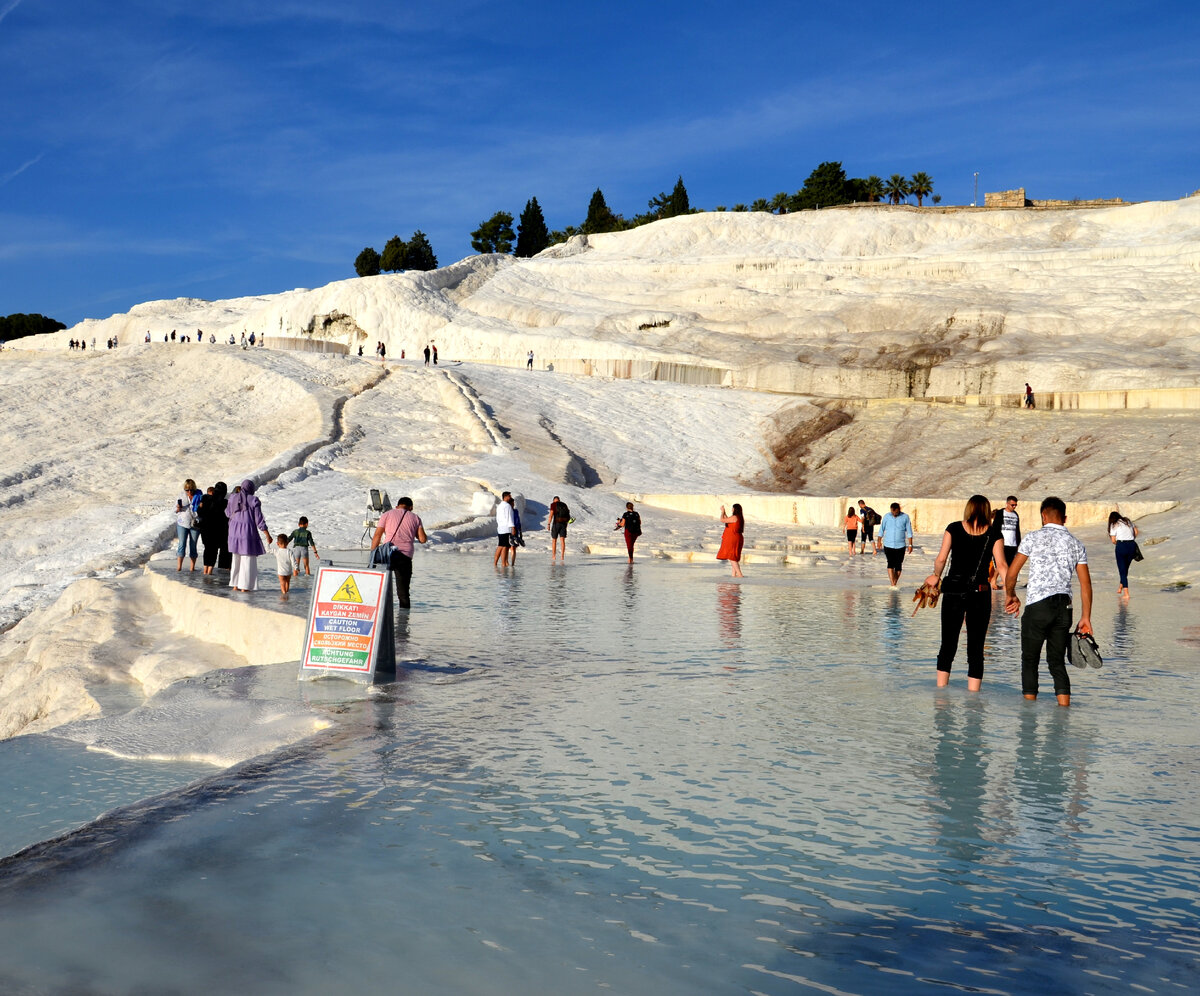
(826, 186)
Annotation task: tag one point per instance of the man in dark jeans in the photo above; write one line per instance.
(1053, 554)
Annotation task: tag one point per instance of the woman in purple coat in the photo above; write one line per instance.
(245, 521)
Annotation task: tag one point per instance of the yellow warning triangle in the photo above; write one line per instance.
(348, 592)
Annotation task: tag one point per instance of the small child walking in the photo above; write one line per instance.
(301, 539)
(283, 564)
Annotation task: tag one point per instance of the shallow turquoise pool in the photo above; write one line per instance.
(589, 778)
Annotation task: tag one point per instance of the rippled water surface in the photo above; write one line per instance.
(658, 781)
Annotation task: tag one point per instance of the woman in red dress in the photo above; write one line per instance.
(732, 539)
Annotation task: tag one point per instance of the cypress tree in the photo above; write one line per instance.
(599, 217)
(532, 234)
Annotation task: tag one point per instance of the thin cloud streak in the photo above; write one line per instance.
(7, 177)
(9, 9)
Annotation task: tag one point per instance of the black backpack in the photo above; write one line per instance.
(561, 512)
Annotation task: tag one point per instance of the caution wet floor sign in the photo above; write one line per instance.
(345, 621)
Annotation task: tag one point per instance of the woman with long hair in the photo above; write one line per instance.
(1124, 534)
(969, 546)
(732, 539)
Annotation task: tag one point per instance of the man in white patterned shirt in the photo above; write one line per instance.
(1053, 555)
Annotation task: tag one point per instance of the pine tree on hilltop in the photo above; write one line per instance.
(418, 253)
(368, 263)
(671, 205)
(532, 234)
(826, 185)
(393, 255)
(494, 235)
(599, 217)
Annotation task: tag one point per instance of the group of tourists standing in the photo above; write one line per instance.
(227, 527)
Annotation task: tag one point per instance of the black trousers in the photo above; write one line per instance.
(401, 566)
(1046, 622)
(976, 608)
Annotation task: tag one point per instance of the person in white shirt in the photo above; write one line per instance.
(1123, 533)
(1053, 555)
(506, 530)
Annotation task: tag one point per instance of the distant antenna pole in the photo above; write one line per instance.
(975, 199)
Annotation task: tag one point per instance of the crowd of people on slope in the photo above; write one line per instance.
(227, 527)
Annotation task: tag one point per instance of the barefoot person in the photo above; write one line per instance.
(851, 523)
(506, 530)
(1053, 554)
(557, 522)
(732, 539)
(1123, 534)
(970, 546)
(631, 522)
(896, 535)
(869, 519)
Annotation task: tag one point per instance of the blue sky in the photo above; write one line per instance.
(164, 149)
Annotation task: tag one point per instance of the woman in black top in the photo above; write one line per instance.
(969, 545)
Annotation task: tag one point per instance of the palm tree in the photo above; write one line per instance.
(760, 204)
(896, 188)
(873, 187)
(780, 202)
(921, 185)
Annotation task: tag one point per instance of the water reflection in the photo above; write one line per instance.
(1050, 775)
(729, 613)
(958, 774)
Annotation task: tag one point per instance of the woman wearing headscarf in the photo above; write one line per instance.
(214, 525)
(245, 522)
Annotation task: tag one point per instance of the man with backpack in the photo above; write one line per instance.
(560, 516)
(869, 519)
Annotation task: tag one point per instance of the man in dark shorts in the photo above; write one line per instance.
(867, 516)
(896, 534)
(560, 516)
(506, 530)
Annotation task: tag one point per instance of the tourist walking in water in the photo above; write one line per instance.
(969, 546)
(245, 523)
(557, 522)
(869, 519)
(1123, 534)
(403, 528)
(1028, 396)
(518, 536)
(426, 356)
(506, 530)
(732, 539)
(631, 522)
(896, 535)
(1053, 554)
(1008, 523)
(851, 526)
